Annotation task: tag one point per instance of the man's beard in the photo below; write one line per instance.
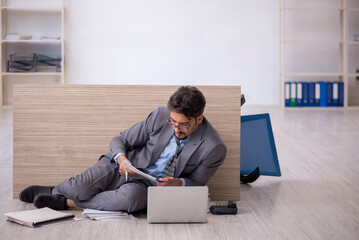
(178, 135)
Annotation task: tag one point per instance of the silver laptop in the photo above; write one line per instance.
(177, 204)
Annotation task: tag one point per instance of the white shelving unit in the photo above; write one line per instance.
(352, 51)
(43, 21)
(317, 44)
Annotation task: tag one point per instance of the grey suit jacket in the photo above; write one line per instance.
(143, 143)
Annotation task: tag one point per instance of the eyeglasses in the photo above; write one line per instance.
(182, 126)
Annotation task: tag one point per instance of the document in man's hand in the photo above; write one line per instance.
(135, 170)
(37, 217)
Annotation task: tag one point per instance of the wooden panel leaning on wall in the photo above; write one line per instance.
(59, 131)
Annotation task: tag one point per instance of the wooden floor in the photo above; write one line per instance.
(317, 196)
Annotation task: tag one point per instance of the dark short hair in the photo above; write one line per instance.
(188, 101)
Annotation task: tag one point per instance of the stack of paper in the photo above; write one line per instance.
(106, 215)
(16, 36)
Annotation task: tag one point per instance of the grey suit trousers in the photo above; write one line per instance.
(102, 187)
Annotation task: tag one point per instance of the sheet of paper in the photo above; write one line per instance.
(95, 211)
(106, 215)
(135, 170)
(62, 222)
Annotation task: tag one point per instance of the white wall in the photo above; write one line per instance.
(176, 42)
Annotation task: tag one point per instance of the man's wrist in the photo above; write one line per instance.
(118, 159)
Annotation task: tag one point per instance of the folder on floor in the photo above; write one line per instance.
(38, 217)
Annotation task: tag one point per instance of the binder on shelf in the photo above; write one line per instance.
(12, 36)
(329, 94)
(16, 36)
(316, 94)
(299, 95)
(323, 94)
(311, 97)
(305, 94)
(340, 94)
(287, 94)
(335, 94)
(293, 94)
(33, 62)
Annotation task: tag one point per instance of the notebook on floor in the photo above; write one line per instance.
(38, 217)
(177, 204)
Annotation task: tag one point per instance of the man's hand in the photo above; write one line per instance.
(123, 168)
(169, 181)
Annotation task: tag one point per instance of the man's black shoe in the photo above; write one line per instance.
(56, 202)
(29, 193)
